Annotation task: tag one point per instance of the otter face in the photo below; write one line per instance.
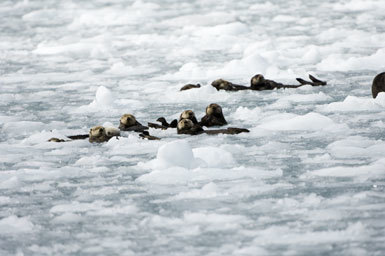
(257, 79)
(213, 109)
(97, 131)
(185, 124)
(128, 120)
(187, 114)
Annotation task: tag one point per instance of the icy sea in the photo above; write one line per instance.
(309, 178)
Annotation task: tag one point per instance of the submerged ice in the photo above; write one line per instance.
(307, 179)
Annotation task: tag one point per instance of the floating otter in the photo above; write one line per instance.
(186, 126)
(57, 140)
(71, 137)
(188, 114)
(214, 116)
(221, 84)
(259, 83)
(128, 123)
(190, 86)
(378, 84)
(102, 134)
(164, 124)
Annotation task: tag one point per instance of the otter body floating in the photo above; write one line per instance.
(71, 137)
(259, 83)
(186, 126)
(378, 84)
(221, 84)
(189, 86)
(188, 114)
(128, 123)
(214, 116)
(100, 134)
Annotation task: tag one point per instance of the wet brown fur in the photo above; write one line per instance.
(188, 114)
(186, 126)
(190, 86)
(101, 134)
(221, 84)
(378, 84)
(259, 83)
(214, 116)
(128, 123)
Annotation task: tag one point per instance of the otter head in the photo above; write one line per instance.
(221, 84)
(185, 125)
(97, 131)
(257, 80)
(214, 109)
(102, 134)
(128, 120)
(188, 114)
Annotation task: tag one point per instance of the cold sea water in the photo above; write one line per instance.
(307, 180)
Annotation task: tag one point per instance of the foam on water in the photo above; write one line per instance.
(307, 179)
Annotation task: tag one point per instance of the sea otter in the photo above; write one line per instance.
(128, 123)
(164, 124)
(259, 83)
(102, 134)
(221, 84)
(190, 86)
(187, 126)
(71, 137)
(378, 84)
(188, 114)
(214, 116)
(57, 140)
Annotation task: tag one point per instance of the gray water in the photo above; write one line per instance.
(307, 180)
